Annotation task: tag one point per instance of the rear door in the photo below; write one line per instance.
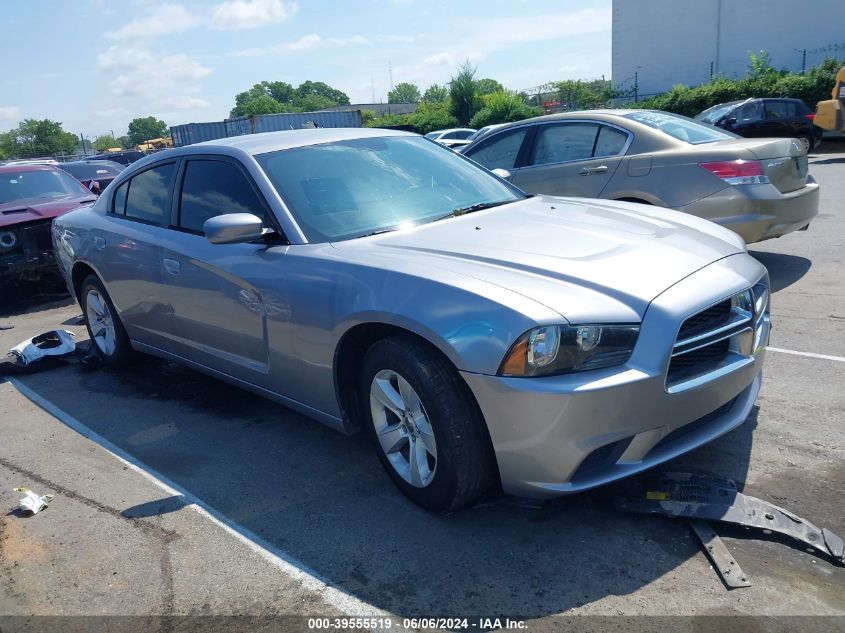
(575, 158)
(221, 293)
(780, 116)
(127, 253)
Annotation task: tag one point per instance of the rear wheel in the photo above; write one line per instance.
(807, 142)
(425, 425)
(108, 337)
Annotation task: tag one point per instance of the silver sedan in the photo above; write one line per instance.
(375, 279)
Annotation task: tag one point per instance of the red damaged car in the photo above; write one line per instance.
(30, 197)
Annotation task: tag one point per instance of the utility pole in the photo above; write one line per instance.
(636, 86)
(390, 70)
(711, 70)
(803, 60)
(82, 140)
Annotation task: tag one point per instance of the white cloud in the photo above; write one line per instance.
(9, 115)
(163, 20)
(184, 103)
(305, 43)
(138, 71)
(439, 59)
(249, 14)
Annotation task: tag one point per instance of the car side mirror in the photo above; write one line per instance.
(502, 173)
(94, 187)
(233, 228)
(730, 121)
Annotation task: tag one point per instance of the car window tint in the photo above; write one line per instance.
(611, 141)
(449, 135)
(749, 112)
(780, 109)
(463, 134)
(119, 203)
(501, 151)
(214, 188)
(565, 142)
(149, 192)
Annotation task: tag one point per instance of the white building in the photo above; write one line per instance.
(659, 43)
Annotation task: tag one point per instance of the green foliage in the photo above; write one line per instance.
(103, 142)
(435, 94)
(404, 93)
(488, 86)
(124, 142)
(144, 128)
(583, 95)
(35, 138)
(463, 93)
(427, 118)
(367, 117)
(762, 81)
(262, 104)
(308, 97)
(503, 107)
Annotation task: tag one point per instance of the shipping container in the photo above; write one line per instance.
(191, 133)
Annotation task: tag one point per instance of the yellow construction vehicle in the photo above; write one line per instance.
(830, 115)
(154, 144)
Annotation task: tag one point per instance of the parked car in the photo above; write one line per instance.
(766, 118)
(30, 197)
(124, 158)
(451, 137)
(373, 279)
(476, 135)
(759, 188)
(94, 174)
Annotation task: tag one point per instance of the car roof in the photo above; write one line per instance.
(288, 139)
(24, 167)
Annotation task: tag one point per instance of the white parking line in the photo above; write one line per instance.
(838, 359)
(308, 578)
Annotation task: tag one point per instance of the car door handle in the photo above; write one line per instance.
(99, 243)
(172, 266)
(590, 171)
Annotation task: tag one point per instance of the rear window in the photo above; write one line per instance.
(680, 127)
(149, 194)
(92, 171)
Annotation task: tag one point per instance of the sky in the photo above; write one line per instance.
(94, 65)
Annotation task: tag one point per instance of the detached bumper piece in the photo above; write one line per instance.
(702, 497)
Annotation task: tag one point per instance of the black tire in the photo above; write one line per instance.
(810, 139)
(465, 466)
(122, 351)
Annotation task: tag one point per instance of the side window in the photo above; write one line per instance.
(749, 113)
(564, 142)
(213, 187)
(119, 202)
(449, 136)
(149, 193)
(501, 150)
(611, 142)
(463, 134)
(780, 110)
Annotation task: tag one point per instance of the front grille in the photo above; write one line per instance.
(698, 361)
(706, 320)
(705, 341)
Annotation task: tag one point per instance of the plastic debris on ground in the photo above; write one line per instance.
(32, 503)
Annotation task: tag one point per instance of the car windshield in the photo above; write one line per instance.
(433, 135)
(92, 171)
(713, 114)
(680, 127)
(347, 189)
(41, 183)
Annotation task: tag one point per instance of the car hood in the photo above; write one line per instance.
(588, 260)
(29, 209)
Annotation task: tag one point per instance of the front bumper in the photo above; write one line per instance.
(759, 212)
(563, 434)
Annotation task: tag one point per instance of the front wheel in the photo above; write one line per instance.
(807, 142)
(425, 425)
(109, 340)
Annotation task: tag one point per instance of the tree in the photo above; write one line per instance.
(279, 90)
(262, 104)
(319, 89)
(503, 107)
(435, 94)
(103, 142)
(144, 128)
(34, 138)
(462, 91)
(404, 93)
(312, 103)
(488, 86)
(432, 116)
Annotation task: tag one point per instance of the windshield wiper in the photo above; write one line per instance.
(379, 232)
(473, 207)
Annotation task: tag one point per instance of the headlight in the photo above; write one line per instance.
(562, 349)
(8, 240)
